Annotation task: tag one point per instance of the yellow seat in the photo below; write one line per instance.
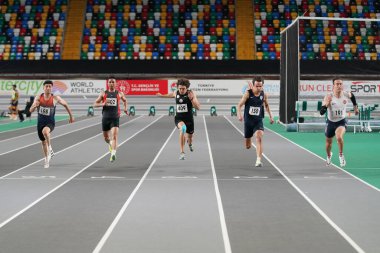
(259, 55)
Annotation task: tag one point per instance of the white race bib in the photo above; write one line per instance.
(338, 114)
(181, 108)
(255, 111)
(111, 102)
(44, 111)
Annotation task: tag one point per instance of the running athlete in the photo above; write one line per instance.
(110, 101)
(254, 100)
(45, 104)
(13, 108)
(184, 120)
(335, 104)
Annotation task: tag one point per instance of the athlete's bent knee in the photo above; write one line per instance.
(183, 128)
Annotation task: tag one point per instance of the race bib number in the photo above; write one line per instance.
(111, 102)
(44, 111)
(254, 111)
(338, 114)
(182, 108)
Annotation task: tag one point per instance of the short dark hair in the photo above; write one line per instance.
(14, 85)
(184, 82)
(48, 82)
(258, 79)
(111, 77)
(336, 78)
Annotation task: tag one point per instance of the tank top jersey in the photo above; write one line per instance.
(46, 110)
(254, 109)
(184, 107)
(337, 109)
(111, 109)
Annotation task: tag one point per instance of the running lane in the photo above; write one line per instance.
(74, 217)
(264, 213)
(175, 209)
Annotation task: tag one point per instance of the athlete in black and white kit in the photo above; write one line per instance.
(110, 101)
(185, 101)
(335, 104)
(254, 100)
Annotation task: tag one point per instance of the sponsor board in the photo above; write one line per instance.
(320, 88)
(225, 87)
(60, 87)
(142, 87)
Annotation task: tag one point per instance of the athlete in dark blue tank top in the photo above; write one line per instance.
(254, 109)
(254, 100)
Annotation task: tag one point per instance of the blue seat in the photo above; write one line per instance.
(155, 56)
(175, 40)
(161, 48)
(110, 56)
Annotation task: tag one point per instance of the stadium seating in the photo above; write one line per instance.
(31, 29)
(159, 29)
(320, 39)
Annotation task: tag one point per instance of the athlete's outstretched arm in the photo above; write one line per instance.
(125, 102)
(240, 105)
(99, 101)
(169, 95)
(64, 104)
(266, 104)
(35, 104)
(194, 100)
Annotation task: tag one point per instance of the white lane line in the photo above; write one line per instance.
(34, 126)
(315, 206)
(51, 138)
(126, 204)
(69, 179)
(69, 147)
(226, 239)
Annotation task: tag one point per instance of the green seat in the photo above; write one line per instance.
(83, 56)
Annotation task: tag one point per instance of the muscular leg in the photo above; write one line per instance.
(189, 139)
(340, 131)
(181, 136)
(46, 133)
(248, 143)
(259, 147)
(44, 148)
(115, 133)
(328, 145)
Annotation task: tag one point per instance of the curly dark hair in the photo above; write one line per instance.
(184, 82)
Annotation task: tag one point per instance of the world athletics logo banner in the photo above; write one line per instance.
(59, 87)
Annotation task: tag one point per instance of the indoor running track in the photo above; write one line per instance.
(149, 201)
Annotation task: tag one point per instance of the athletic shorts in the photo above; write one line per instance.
(189, 124)
(332, 126)
(251, 126)
(108, 123)
(41, 127)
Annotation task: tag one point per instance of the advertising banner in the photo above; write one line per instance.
(226, 87)
(321, 88)
(60, 87)
(142, 87)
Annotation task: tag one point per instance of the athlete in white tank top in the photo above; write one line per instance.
(336, 105)
(337, 109)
